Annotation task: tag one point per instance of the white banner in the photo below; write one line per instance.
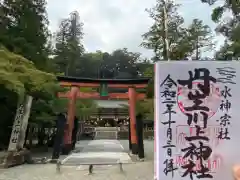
(197, 119)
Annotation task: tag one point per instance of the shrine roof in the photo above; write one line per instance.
(109, 81)
(111, 104)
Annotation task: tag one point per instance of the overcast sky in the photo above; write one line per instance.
(112, 24)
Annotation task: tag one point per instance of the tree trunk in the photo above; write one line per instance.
(197, 49)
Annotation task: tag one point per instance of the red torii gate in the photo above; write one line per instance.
(74, 93)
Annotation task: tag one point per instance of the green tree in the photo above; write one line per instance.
(229, 27)
(199, 37)
(44, 112)
(24, 29)
(225, 52)
(68, 48)
(91, 64)
(84, 108)
(146, 108)
(183, 42)
(19, 77)
(149, 72)
(121, 63)
(155, 38)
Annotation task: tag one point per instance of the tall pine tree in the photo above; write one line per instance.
(199, 37)
(69, 48)
(155, 38)
(183, 41)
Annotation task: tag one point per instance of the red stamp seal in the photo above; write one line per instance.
(212, 101)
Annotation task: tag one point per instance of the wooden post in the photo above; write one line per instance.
(61, 121)
(132, 113)
(139, 127)
(67, 147)
(129, 136)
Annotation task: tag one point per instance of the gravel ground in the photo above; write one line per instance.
(137, 170)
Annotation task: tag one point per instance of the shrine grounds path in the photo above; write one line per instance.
(136, 171)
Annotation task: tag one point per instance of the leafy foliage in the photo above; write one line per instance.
(229, 27)
(183, 42)
(149, 72)
(19, 75)
(120, 64)
(85, 108)
(24, 29)
(146, 108)
(24, 60)
(199, 37)
(44, 112)
(155, 37)
(68, 48)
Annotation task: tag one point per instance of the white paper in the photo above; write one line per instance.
(225, 152)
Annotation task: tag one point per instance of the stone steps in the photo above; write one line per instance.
(106, 133)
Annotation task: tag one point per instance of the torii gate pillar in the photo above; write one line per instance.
(132, 113)
(73, 94)
(67, 140)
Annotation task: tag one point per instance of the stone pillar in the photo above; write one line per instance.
(132, 114)
(67, 141)
(28, 105)
(16, 153)
(20, 124)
